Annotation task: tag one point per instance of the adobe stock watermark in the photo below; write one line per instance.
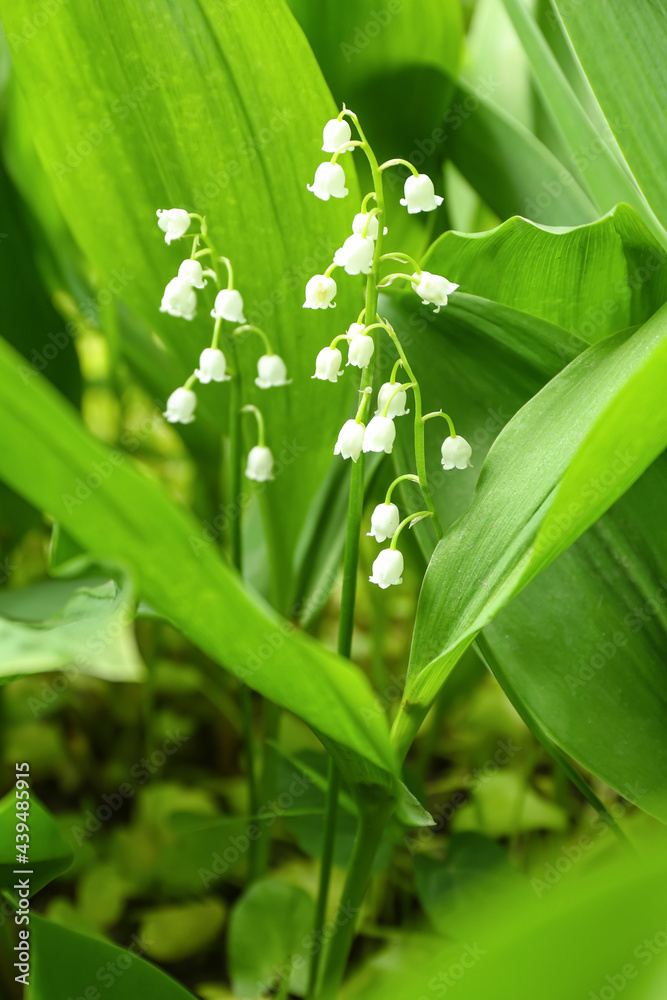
(364, 34)
(58, 341)
(111, 802)
(94, 135)
(29, 27)
(645, 953)
(591, 492)
(130, 440)
(444, 812)
(589, 667)
(445, 980)
(228, 513)
(237, 846)
(122, 618)
(571, 854)
(216, 181)
(456, 115)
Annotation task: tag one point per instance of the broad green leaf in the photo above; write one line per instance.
(267, 929)
(491, 359)
(594, 937)
(116, 512)
(48, 852)
(67, 964)
(563, 681)
(591, 280)
(392, 63)
(605, 175)
(156, 105)
(91, 634)
(598, 422)
(38, 332)
(510, 169)
(621, 46)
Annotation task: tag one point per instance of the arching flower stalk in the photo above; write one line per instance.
(180, 300)
(361, 253)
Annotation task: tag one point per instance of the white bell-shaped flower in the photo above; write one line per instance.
(380, 435)
(420, 194)
(359, 224)
(388, 569)
(192, 272)
(181, 406)
(355, 255)
(260, 464)
(320, 292)
(212, 366)
(174, 223)
(391, 391)
(179, 299)
(328, 364)
(329, 182)
(361, 346)
(271, 371)
(335, 134)
(385, 519)
(432, 289)
(350, 440)
(456, 453)
(228, 305)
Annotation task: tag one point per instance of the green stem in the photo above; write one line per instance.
(420, 448)
(368, 836)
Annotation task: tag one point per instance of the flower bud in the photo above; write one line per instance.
(328, 364)
(355, 255)
(350, 440)
(320, 293)
(329, 182)
(181, 406)
(380, 435)
(432, 289)
(387, 568)
(361, 346)
(212, 366)
(271, 371)
(192, 272)
(399, 397)
(228, 305)
(420, 194)
(179, 299)
(260, 464)
(174, 223)
(456, 453)
(335, 134)
(385, 519)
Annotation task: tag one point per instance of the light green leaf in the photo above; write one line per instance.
(117, 513)
(605, 175)
(158, 105)
(511, 170)
(48, 851)
(91, 634)
(591, 280)
(621, 46)
(598, 422)
(596, 937)
(552, 648)
(267, 928)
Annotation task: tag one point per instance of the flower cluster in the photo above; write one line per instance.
(180, 300)
(361, 254)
